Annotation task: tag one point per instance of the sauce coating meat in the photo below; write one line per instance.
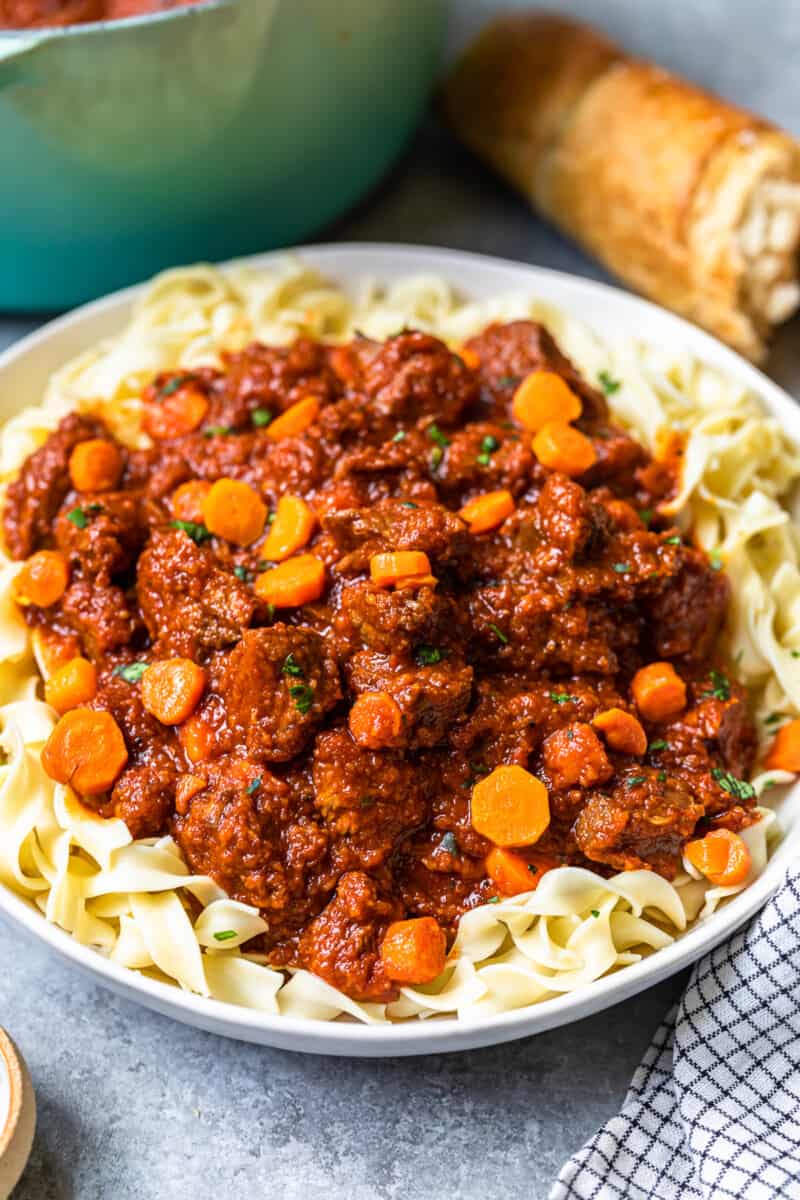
(34, 14)
(446, 615)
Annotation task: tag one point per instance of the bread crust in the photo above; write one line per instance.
(649, 173)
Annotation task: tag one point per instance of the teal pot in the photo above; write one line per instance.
(198, 133)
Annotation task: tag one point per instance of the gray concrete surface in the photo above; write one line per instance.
(134, 1107)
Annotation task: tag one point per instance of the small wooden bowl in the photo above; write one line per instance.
(17, 1115)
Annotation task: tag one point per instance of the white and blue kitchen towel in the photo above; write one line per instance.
(713, 1112)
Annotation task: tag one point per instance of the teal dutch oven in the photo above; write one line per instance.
(203, 132)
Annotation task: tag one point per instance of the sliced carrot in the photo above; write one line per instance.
(510, 807)
(784, 753)
(621, 730)
(391, 570)
(470, 357)
(176, 414)
(512, 874)
(562, 448)
(299, 580)
(71, 685)
(375, 720)
(198, 738)
(43, 579)
(721, 856)
(488, 511)
(291, 530)
(95, 465)
(294, 420)
(234, 511)
(544, 397)
(414, 951)
(187, 500)
(659, 691)
(171, 689)
(87, 750)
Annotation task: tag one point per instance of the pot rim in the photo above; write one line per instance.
(49, 33)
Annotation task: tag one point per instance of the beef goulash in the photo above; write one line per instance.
(379, 632)
(691, 201)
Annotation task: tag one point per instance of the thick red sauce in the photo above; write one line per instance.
(35, 14)
(531, 630)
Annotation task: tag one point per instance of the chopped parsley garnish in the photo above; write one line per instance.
(608, 383)
(635, 780)
(260, 417)
(291, 667)
(740, 789)
(367, 801)
(767, 784)
(437, 455)
(720, 687)
(773, 718)
(398, 437)
(225, 935)
(562, 697)
(595, 912)
(218, 430)
(80, 516)
(436, 435)
(488, 446)
(570, 735)
(409, 504)
(426, 656)
(177, 382)
(303, 697)
(253, 787)
(795, 653)
(198, 533)
(241, 573)
(534, 870)
(646, 515)
(508, 381)
(715, 561)
(130, 672)
(675, 540)
(659, 744)
(270, 612)
(448, 844)
(621, 568)
(662, 776)
(498, 633)
(493, 900)
(271, 518)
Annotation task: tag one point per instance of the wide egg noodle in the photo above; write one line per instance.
(138, 903)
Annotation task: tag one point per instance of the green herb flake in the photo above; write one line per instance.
(506, 381)
(562, 697)
(622, 568)
(174, 385)
(211, 431)
(608, 383)
(409, 504)
(488, 446)
(224, 935)
(436, 458)
(80, 516)
(292, 667)
(795, 653)
(570, 735)
(715, 561)
(773, 718)
(426, 656)
(270, 612)
(659, 744)
(498, 633)
(448, 844)
(398, 437)
(740, 789)
(595, 912)
(532, 867)
(303, 697)
(241, 573)
(645, 515)
(493, 900)
(662, 776)
(198, 533)
(720, 687)
(253, 787)
(436, 435)
(130, 672)
(675, 540)
(767, 784)
(367, 801)
(635, 780)
(271, 518)
(261, 417)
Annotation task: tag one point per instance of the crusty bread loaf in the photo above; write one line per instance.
(691, 201)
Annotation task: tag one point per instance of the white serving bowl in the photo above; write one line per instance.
(24, 370)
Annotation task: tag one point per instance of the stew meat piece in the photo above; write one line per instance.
(325, 775)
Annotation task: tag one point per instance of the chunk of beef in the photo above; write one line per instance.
(190, 605)
(415, 375)
(642, 822)
(143, 797)
(274, 378)
(342, 945)
(108, 534)
(101, 615)
(276, 685)
(397, 525)
(37, 493)
(686, 616)
(395, 621)
(485, 457)
(563, 516)
(430, 697)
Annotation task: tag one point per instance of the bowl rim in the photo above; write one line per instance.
(39, 35)
(445, 1033)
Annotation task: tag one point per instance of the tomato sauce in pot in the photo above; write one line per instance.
(36, 14)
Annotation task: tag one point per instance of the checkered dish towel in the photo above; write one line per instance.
(714, 1109)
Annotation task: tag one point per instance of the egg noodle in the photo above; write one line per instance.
(129, 898)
